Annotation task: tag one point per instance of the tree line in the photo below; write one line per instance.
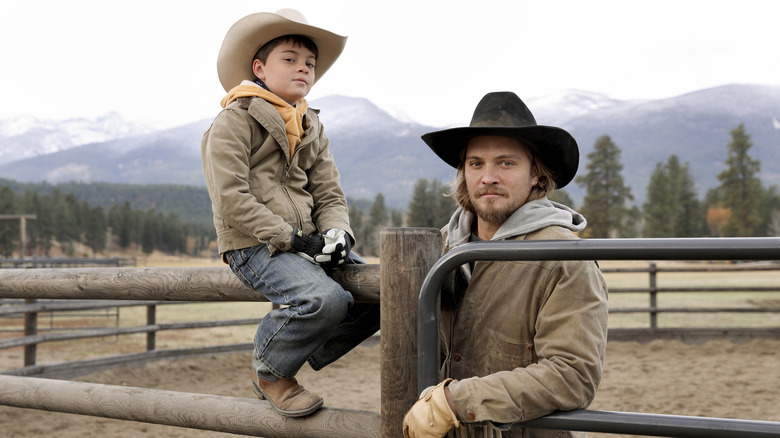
(61, 219)
(739, 207)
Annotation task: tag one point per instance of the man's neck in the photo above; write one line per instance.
(484, 230)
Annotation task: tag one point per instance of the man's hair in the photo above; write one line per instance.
(298, 40)
(544, 187)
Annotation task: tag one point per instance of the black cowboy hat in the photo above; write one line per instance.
(504, 114)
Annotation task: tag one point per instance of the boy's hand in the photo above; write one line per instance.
(307, 246)
(336, 250)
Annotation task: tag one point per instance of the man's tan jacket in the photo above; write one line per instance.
(525, 338)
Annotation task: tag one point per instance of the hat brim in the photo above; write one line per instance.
(249, 34)
(554, 146)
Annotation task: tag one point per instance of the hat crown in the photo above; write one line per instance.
(292, 15)
(502, 110)
(250, 33)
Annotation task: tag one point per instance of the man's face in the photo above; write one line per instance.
(288, 72)
(498, 176)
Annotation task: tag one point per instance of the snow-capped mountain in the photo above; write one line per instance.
(378, 153)
(556, 109)
(26, 136)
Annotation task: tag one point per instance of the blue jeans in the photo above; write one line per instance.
(320, 323)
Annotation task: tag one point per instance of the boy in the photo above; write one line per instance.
(279, 211)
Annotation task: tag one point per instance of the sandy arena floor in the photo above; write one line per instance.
(716, 379)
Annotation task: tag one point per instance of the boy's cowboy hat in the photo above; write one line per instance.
(247, 35)
(504, 114)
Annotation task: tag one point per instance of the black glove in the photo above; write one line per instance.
(338, 243)
(307, 246)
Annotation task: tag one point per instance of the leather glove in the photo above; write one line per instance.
(338, 243)
(307, 246)
(430, 416)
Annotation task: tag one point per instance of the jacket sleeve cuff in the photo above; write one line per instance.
(282, 241)
(463, 394)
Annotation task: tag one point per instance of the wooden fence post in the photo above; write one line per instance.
(151, 319)
(30, 329)
(653, 269)
(406, 256)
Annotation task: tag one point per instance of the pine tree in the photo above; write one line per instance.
(741, 189)
(606, 195)
(444, 205)
(95, 226)
(148, 233)
(430, 206)
(671, 208)
(657, 208)
(377, 219)
(9, 229)
(121, 219)
(41, 230)
(418, 213)
(396, 218)
(67, 226)
(378, 215)
(357, 223)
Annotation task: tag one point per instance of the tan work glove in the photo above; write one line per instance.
(430, 416)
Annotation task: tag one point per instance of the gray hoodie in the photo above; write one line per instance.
(531, 216)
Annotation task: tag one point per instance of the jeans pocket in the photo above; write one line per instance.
(238, 260)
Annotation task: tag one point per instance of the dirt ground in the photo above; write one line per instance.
(715, 379)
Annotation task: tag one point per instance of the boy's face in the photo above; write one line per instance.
(288, 72)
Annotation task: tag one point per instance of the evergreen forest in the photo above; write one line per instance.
(177, 219)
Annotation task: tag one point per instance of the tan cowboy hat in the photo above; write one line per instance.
(504, 114)
(249, 34)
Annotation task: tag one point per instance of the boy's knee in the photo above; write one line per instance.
(330, 303)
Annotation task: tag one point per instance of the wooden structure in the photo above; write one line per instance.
(407, 254)
(172, 408)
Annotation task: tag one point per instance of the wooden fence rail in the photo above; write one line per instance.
(197, 411)
(362, 279)
(61, 283)
(413, 252)
(696, 334)
(162, 284)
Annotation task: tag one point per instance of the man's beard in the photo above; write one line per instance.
(490, 213)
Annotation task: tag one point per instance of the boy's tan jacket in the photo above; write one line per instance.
(525, 338)
(258, 191)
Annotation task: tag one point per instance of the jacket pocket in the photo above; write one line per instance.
(505, 353)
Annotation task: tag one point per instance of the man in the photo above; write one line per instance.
(519, 339)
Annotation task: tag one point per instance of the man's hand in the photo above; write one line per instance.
(307, 246)
(431, 416)
(336, 250)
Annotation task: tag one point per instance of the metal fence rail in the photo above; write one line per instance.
(595, 249)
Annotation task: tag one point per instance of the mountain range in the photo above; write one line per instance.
(378, 153)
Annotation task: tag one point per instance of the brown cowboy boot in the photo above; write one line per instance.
(286, 396)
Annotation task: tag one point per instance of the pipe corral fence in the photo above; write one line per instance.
(409, 278)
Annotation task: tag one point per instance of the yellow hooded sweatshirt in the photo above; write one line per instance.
(292, 115)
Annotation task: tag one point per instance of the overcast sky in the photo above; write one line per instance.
(154, 62)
